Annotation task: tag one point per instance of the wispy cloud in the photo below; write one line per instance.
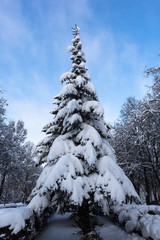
(33, 107)
(12, 27)
(34, 36)
(117, 69)
(112, 60)
(34, 115)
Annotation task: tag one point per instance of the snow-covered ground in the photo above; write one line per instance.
(62, 227)
(109, 231)
(141, 218)
(10, 205)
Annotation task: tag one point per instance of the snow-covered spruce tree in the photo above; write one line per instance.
(81, 169)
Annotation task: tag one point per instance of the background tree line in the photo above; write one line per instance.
(17, 171)
(136, 140)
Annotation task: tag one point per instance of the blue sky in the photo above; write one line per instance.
(119, 38)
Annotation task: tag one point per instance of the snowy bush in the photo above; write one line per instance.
(140, 218)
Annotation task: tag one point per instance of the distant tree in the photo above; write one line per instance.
(128, 109)
(80, 165)
(136, 140)
(152, 116)
(31, 172)
(127, 142)
(17, 170)
(3, 149)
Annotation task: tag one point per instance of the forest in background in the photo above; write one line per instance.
(136, 140)
(18, 173)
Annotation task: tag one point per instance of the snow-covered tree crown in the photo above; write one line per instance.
(80, 163)
(78, 74)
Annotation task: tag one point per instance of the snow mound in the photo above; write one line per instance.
(15, 218)
(142, 218)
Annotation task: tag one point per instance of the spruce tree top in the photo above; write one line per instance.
(80, 163)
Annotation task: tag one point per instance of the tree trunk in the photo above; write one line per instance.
(147, 187)
(2, 184)
(25, 195)
(83, 218)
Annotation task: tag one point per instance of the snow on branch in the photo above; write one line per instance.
(94, 106)
(66, 76)
(14, 218)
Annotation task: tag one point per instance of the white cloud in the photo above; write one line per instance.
(143, 84)
(12, 27)
(81, 9)
(111, 114)
(34, 115)
(32, 106)
(114, 61)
